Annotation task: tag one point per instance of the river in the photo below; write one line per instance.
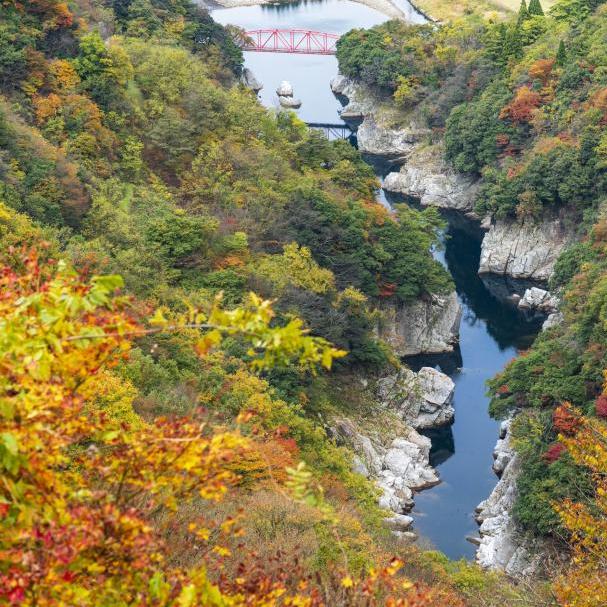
(492, 330)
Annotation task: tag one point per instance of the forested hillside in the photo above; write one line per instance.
(520, 104)
(180, 269)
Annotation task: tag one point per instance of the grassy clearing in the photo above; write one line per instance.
(444, 10)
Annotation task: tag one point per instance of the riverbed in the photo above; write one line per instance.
(492, 330)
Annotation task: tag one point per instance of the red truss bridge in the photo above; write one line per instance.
(303, 42)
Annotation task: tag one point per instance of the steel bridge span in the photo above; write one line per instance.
(332, 130)
(296, 41)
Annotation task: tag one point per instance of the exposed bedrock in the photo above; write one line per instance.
(426, 326)
(502, 545)
(423, 399)
(427, 177)
(526, 250)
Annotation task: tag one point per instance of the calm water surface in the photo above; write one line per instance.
(491, 330)
(309, 74)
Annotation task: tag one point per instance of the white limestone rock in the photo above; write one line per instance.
(360, 100)
(423, 327)
(429, 178)
(399, 466)
(539, 299)
(553, 320)
(378, 140)
(523, 250)
(289, 102)
(502, 545)
(285, 89)
(422, 399)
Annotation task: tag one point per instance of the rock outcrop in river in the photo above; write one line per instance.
(400, 464)
(423, 327)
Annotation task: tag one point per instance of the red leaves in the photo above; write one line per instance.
(523, 106)
(601, 405)
(565, 420)
(554, 452)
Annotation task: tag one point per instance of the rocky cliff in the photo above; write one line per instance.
(423, 399)
(427, 177)
(526, 249)
(502, 545)
(400, 464)
(425, 326)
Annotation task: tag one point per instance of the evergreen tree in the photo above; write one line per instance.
(535, 8)
(523, 12)
(513, 44)
(561, 54)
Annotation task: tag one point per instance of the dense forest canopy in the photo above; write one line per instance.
(180, 268)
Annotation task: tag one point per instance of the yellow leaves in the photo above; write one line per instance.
(207, 341)
(347, 582)
(297, 267)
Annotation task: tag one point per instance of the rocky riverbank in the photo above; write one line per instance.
(429, 326)
(516, 249)
(511, 253)
(396, 456)
(502, 544)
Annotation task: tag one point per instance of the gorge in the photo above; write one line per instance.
(492, 329)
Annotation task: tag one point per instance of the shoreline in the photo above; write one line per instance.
(386, 7)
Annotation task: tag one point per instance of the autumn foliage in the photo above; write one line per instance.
(523, 106)
(584, 583)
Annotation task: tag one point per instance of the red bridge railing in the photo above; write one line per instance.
(304, 42)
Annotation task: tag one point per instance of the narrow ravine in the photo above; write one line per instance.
(492, 330)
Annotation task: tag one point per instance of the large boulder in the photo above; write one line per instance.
(289, 102)
(523, 249)
(539, 300)
(423, 399)
(427, 177)
(422, 327)
(285, 89)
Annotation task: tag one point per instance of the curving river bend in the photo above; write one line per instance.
(491, 330)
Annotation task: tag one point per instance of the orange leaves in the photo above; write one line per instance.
(523, 106)
(46, 107)
(583, 585)
(541, 70)
(565, 420)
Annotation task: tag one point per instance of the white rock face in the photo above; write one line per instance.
(360, 100)
(428, 177)
(399, 466)
(523, 250)
(427, 327)
(539, 299)
(553, 320)
(422, 400)
(377, 140)
(502, 546)
(250, 81)
(289, 102)
(285, 89)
